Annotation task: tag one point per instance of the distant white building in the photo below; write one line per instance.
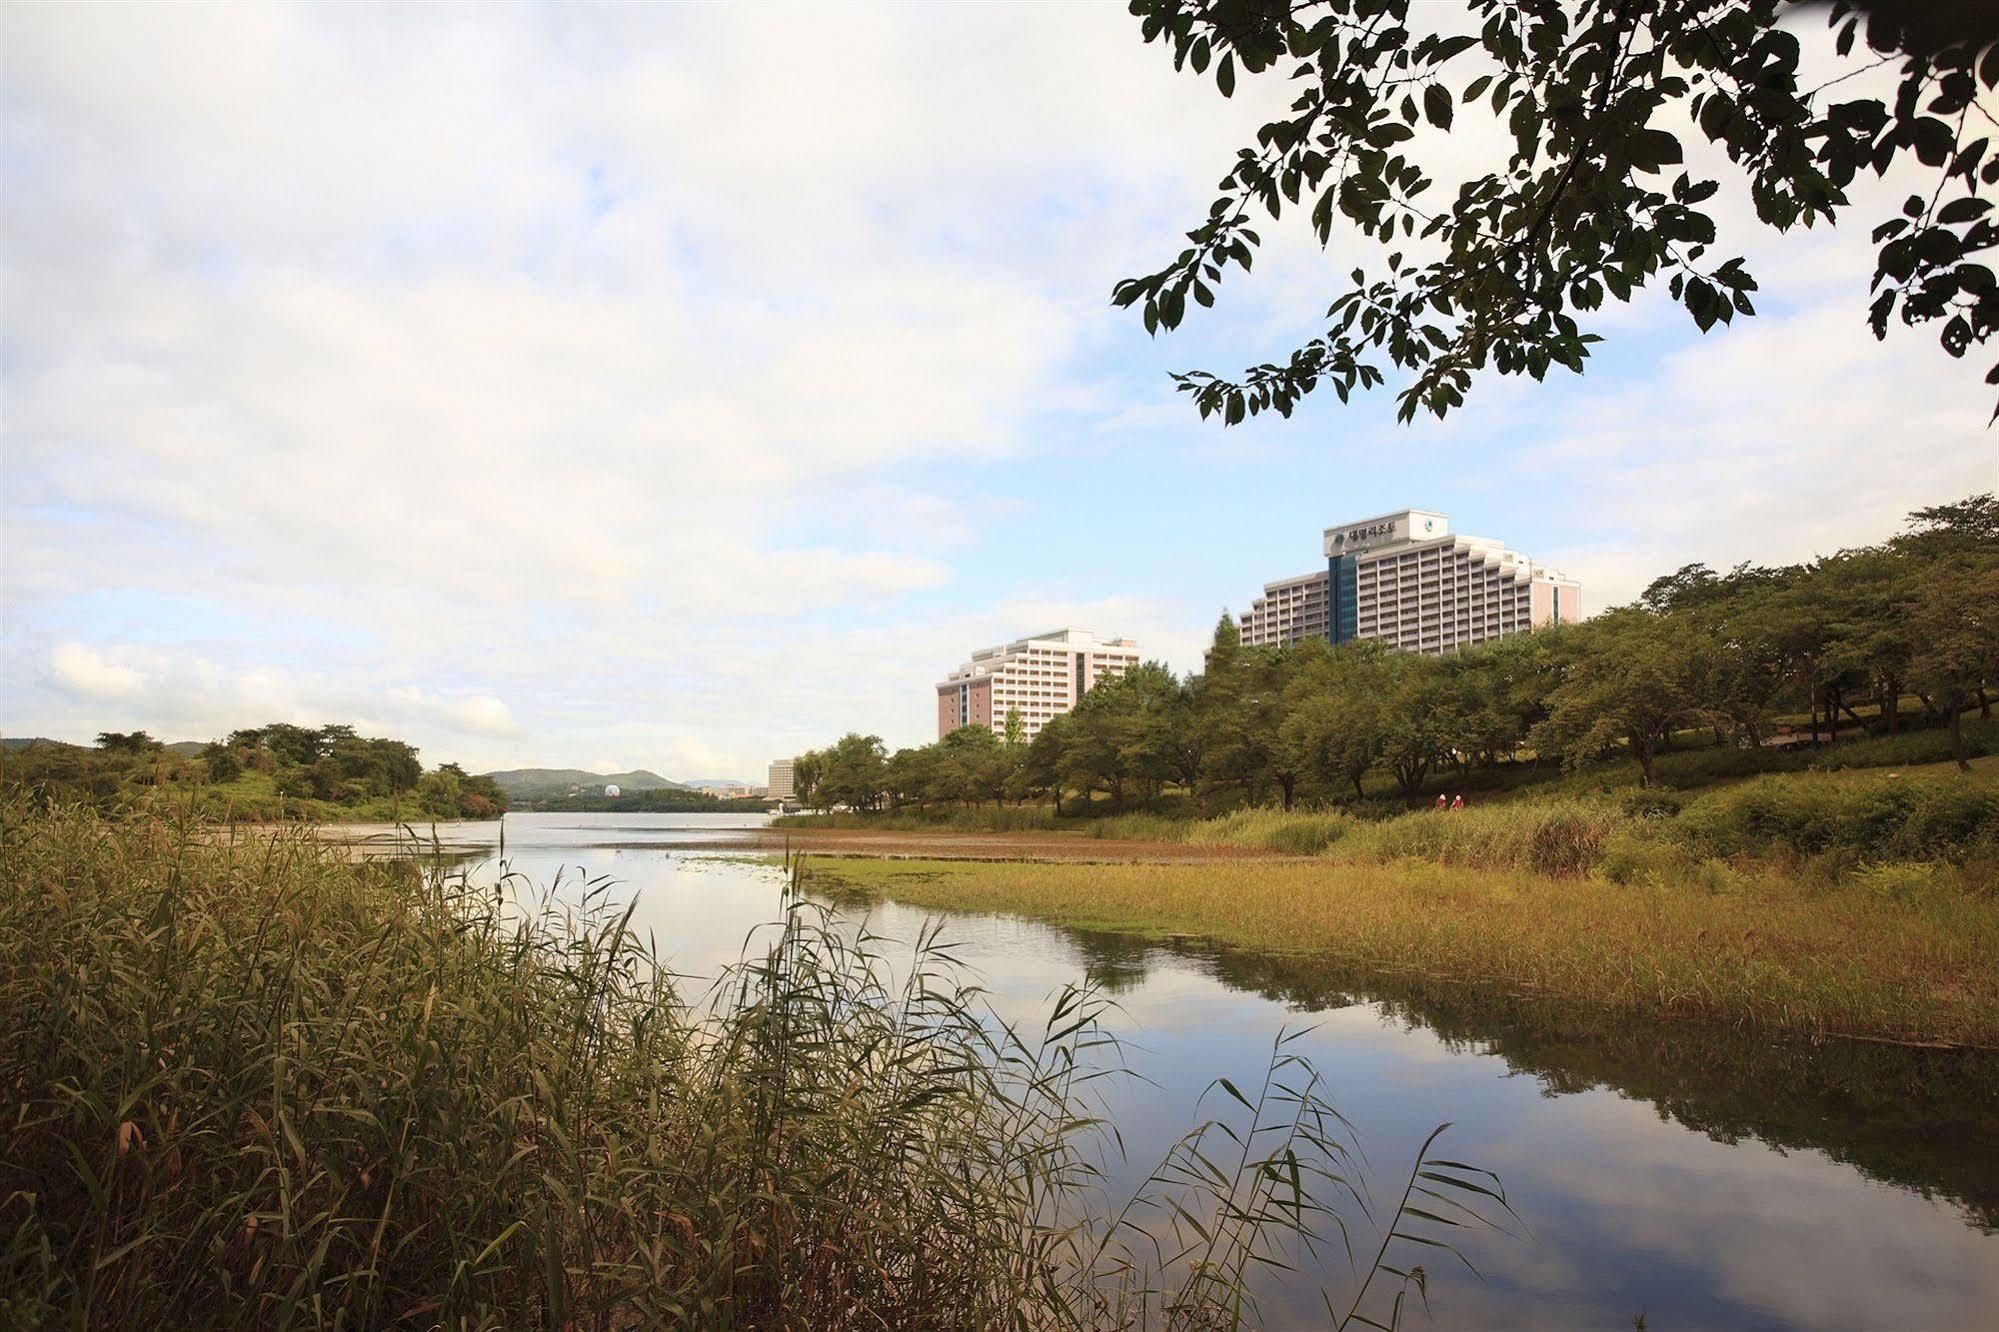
(1041, 677)
(780, 785)
(1407, 580)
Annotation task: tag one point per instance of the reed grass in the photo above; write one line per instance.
(256, 1084)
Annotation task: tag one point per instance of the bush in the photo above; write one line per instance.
(1897, 882)
(1876, 818)
(1562, 837)
(1297, 832)
(1652, 803)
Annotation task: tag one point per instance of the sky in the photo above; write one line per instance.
(682, 387)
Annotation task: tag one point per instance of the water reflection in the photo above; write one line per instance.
(1923, 1119)
(1702, 1176)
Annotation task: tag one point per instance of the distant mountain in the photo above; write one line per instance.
(184, 748)
(698, 782)
(540, 783)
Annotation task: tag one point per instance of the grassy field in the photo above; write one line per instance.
(1767, 949)
(256, 1084)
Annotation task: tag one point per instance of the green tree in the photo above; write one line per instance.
(221, 763)
(854, 773)
(1872, 640)
(1416, 728)
(1047, 760)
(972, 766)
(1333, 725)
(806, 773)
(1207, 746)
(1154, 707)
(1095, 749)
(1589, 197)
(1631, 677)
(1954, 620)
(292, 746)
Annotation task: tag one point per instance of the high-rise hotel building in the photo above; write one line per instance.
(1407, 580)
(1040, 676)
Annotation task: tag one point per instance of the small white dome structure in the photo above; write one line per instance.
(611, 790)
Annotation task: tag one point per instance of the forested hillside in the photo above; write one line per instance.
(279, 771)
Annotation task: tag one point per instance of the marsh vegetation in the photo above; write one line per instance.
(255, 1083)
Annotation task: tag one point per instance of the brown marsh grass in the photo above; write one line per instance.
(1908, 952)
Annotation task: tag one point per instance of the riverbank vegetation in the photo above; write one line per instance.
(1902, 952)
(328, 774)
(256, 1083)
(1863, 902)
(1887, 654)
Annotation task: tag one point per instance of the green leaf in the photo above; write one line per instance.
(1437, 105)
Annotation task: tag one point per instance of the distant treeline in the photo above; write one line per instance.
(259, 773)
(663, 800)
(1721, 653)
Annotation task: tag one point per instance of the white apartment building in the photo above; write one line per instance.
(779, 785)
(1287, 611)
(1041, 676)
(1407, 580)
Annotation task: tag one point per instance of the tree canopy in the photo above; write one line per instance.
(1592, 195)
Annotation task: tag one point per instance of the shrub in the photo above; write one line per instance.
(1297, 832)
(1652, 803)
(1637, 855)
(1936, 818)
(1562, 837)
(1897, 882)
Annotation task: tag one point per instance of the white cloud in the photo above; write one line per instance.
(478, 714)
(82, 673)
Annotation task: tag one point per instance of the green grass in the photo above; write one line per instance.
(253, 1083)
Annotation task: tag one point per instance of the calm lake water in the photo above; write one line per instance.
(1696, 1176)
